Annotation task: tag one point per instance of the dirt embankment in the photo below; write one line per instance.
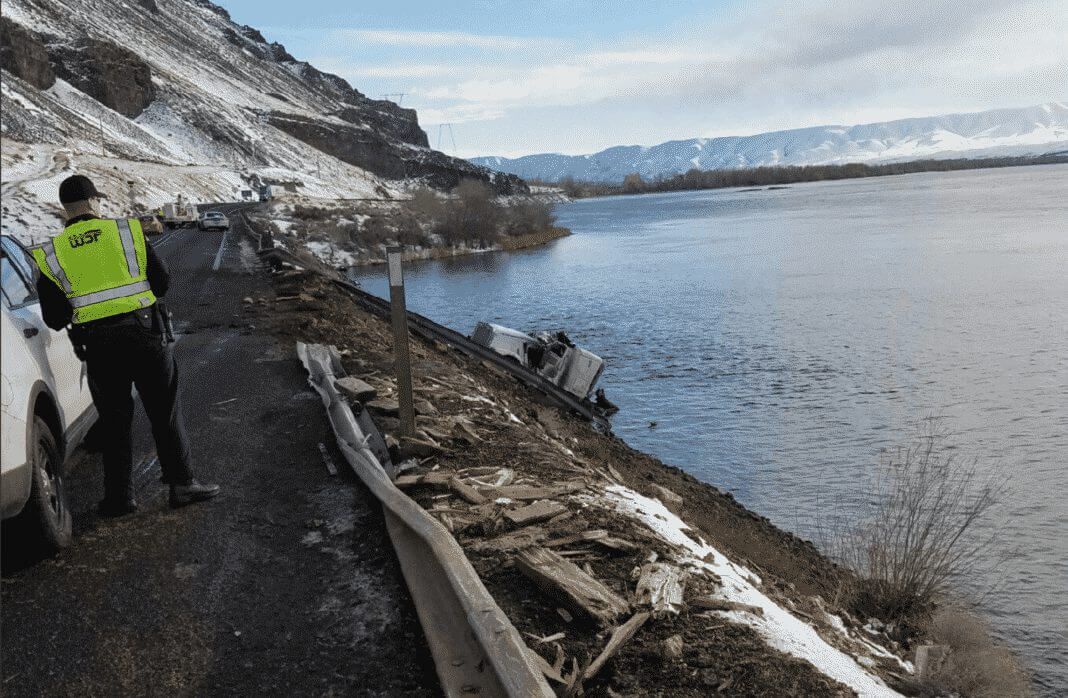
(488, 449)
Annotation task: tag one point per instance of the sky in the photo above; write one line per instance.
(578, 76)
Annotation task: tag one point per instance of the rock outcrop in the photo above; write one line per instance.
(111, 74)
(23, 54)
(192, 86)
(376, 148)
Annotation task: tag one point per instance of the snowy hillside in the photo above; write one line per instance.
(180, 99)
(1031, 130)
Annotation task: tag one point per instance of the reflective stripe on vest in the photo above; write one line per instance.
(49, 249)
(126, 235)
(110, 294)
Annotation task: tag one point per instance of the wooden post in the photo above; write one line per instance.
(401, 361)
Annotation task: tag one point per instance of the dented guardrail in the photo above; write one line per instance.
(476, 649)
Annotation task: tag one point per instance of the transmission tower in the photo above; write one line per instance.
(399, 97)
(452, 137)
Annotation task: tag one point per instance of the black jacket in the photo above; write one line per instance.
(56, 309)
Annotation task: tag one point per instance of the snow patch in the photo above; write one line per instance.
(775, 625)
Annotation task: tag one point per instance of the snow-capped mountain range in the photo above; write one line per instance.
(1030, 130)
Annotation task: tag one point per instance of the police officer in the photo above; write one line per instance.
(103, 278)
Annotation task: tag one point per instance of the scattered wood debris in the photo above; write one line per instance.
(566, 582)
(598, 536)
(520, 492)
(509, 542)
(538, 511)
(660, 586)
(620, 635)
(327, 460)
(712, 604)
(466, 492)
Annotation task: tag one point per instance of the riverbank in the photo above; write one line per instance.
(354, 233)
(507, 244)
(755, 613)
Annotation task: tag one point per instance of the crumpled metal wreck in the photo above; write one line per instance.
(549, 354)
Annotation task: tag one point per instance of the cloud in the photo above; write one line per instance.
(388, 37)
(771, 65)
(827, 50)
(405, 70)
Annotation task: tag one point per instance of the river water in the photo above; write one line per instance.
(775, 342)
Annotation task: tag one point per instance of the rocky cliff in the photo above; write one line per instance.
(178, 82)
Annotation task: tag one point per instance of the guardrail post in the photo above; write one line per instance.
(402, 366)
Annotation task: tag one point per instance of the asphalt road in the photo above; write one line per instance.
(286, 584)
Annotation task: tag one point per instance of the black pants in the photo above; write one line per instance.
(131, 353)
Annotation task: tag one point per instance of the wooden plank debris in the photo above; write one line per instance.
(522, 492)
(431, 478)
(550, 638)
(327, 460)
(660, 586)
(467, 492)
(538, 511)
(548, 671)
(620, 636)
(707, 603)
(516, 540)
(566, 582)
(598, 536)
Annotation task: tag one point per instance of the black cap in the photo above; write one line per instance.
(78, 188)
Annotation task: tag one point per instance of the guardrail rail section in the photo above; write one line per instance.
(476, 649)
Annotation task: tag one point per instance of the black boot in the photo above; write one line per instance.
(114, 508)
(190, 492)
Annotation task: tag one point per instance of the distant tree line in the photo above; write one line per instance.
(768, 176)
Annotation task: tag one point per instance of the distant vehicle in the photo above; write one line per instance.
(47, 409)
(214, 220)
(246, 195)
(151, 225)
(179, 215)
(551, 355)
(269, 191)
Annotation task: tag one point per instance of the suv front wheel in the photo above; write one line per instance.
(45, 520)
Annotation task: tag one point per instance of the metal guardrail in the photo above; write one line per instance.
(430, 330)
(476, 649)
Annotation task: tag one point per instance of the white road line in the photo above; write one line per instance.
(219, 254)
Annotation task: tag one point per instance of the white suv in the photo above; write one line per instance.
(46, 408)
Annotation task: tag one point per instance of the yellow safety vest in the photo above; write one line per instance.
(101, 265)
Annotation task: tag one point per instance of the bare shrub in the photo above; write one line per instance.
(375, 232)
(471, 215)
(918, 533)
(426, 204)
(974, 665)
(530, 216)
(311, 213)
(342, 234)
(408, 230)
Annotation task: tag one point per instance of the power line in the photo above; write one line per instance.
(398, 95)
